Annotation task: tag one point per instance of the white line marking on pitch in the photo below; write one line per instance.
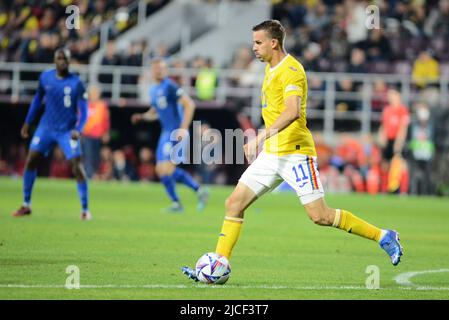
(404, 279)
(174, 286)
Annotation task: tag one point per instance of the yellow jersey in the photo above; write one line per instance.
(286, 79)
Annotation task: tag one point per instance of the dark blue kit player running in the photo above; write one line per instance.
(62, 121)
(174, 109)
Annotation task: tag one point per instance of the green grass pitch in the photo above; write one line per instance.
(131, 250)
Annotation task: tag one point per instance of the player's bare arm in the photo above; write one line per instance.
(286, 118)
(189, 110)
(150, 115)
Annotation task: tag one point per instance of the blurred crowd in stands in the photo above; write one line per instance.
(31, 30)
(397, 159)
(326, 35)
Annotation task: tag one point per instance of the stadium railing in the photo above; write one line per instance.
(18, 82)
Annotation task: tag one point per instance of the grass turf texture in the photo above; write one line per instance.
(136, 250)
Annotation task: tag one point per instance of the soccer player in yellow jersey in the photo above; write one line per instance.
(288, 152)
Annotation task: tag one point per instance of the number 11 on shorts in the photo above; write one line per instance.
(304, 177)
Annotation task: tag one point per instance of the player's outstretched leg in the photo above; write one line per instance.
(388, 240)
(82, 186)
(29, 176)
(184, 177)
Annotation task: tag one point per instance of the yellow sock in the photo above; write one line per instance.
(229, 235)
(345, 220)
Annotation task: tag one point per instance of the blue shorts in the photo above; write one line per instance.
(44, 140)
(173, 151)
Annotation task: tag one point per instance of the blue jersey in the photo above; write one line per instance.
(65, 102)
(164, 97)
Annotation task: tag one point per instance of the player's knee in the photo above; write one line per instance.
(32, 162)
(78, 170)
(161, 171)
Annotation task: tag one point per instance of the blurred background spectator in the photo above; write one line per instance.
(96, 130)
(422, 149)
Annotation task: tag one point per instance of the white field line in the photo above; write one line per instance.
(403, 279)
(199, 286)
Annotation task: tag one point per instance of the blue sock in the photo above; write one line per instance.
(28, 180)
(183, 176)
(169, 184)
(83, 194)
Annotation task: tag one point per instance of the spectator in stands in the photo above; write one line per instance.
(132, 58)
(48, 43)
(425, 70)
(178, 78)
(377, 46)
(207, 171)
(329, 174)
(5, 169)
(355, 21)
(110, 59)
(96, 130)
(105, 169)
(146, 169)
(346, 103)
(317, 19)
(422, 149)
(371, 169)
(357, 62)
(351, 154)
(59, 166)
(206, 81)
(122, 169)
(437, 23)
(310, 57)
(379, 96)
(48, 21)
(17, 158)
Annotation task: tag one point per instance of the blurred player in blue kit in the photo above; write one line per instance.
(62, 121)
(174, 109)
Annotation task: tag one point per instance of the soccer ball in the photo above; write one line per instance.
(213, 268)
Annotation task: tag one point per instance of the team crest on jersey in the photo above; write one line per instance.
(35, 141)
(73, 143)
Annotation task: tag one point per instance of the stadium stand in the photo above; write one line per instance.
(350, 69)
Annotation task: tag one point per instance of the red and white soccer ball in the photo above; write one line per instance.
(213, 268)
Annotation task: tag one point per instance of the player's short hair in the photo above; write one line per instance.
(65, 51)
(158, 60)
(274, 28)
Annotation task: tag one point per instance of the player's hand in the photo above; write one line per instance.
(182, 134)
(250, 150)
(136, 117)
(75, 134)
(24, 132)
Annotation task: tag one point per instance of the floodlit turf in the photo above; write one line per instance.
(131, 250)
